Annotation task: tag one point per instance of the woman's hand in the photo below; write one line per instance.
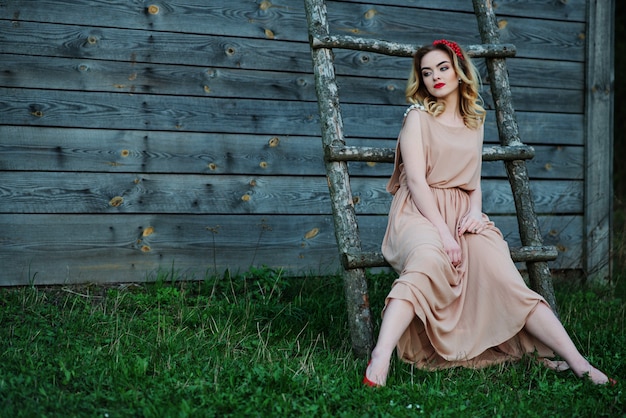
(452, 248)
(472, 223)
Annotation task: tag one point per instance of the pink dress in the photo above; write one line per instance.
(471, 315)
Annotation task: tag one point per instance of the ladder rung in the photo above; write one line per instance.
(405, 50)
(508, 152)
(387, 155)
(534, 253)
(368, 154)
(518, 254)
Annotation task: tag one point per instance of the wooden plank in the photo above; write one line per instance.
(572, 10)
(278, 19)
(140, 112)
(599, 140)
(124, 111)
(525, 72)
(61, 249)
(26, 148)
(526, 98)
(280, 16)
(59, 73)
(75, 192)
(550, 162)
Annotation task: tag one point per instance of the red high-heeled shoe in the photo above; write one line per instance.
(368, 382)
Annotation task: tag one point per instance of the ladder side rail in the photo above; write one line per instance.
(344, 215)
(539, 272)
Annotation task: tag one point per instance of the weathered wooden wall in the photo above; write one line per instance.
(143, 135)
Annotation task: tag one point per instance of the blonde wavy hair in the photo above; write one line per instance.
(471, 104)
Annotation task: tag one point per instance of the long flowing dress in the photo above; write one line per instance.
(470, 315)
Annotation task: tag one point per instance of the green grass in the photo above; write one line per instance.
(260, 344)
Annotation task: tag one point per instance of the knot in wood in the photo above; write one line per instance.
(116, 201)
(370, 14)
(312, 233)
(153, 9)
(273, 142)
(265, 4)
(364, 58)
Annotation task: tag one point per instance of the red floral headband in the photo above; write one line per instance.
(452, 45)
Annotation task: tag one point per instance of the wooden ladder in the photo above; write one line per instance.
(337, 155)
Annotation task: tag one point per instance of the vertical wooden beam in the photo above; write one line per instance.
(538, 272)
(344, 215)
(599, 97)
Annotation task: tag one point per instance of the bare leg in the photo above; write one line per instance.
(545, 326)
(398, 315)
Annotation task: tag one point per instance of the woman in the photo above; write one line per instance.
(459, 300)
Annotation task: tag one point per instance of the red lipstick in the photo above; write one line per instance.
(439, 85)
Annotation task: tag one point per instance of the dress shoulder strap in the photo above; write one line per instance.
(414, 106)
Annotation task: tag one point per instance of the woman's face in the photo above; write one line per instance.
(438, 74)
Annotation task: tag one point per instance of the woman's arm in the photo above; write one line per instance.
(473, 221)
(414, 160)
